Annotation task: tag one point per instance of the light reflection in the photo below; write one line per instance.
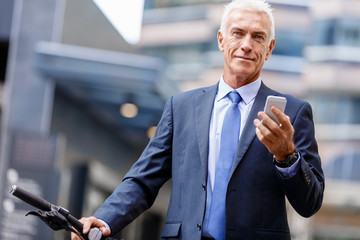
(129, 110)
(151, 131)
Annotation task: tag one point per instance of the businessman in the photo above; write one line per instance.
(231, 165)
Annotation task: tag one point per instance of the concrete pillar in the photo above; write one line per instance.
(26, 117)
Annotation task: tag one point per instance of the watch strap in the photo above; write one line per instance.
(290, 160)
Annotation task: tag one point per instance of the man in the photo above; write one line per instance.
(212, 197)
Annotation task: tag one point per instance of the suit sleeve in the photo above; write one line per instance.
(141, 184)
(306, 188)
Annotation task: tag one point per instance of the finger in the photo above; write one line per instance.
(74, 237)
(87, 224)
(259, 135)
(286, 128)
(272, 128)
(263, 133)
(267, 120)
(105, 232)
(283, 118)
(94, 222)
(262, 115)
(261, 128)
(267, 142)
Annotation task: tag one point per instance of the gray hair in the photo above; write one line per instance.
(256, 5)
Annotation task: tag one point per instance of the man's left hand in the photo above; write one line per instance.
(278, 139)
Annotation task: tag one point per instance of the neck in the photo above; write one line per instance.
(237, 81)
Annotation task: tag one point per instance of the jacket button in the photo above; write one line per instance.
(199, 227)
(203, 186)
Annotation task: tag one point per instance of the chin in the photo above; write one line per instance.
(242, 72)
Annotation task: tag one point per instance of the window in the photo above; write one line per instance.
(335, 109)
(344, 167)
(349, 32)
(341, 31)
(324, 32)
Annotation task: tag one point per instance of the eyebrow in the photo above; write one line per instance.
(241, 29)
(260, 32)
(236, 28)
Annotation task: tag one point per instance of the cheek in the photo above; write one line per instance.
(266, 52)
(261, 55)
(231, 49)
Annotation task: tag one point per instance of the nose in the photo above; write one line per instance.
(246, 43)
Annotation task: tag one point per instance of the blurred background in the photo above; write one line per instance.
(83, 84)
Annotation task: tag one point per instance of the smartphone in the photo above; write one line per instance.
(280, 102)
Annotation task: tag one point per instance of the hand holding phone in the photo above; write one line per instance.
(279, 102)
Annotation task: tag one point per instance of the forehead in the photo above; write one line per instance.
(256, 20)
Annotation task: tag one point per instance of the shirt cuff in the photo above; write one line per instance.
(290, 171)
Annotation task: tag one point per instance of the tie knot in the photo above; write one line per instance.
(234, 97)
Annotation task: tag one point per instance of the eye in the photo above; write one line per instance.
(237, 33)
(259, 37)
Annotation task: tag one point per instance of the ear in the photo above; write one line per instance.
(271, 48)
(220, 39)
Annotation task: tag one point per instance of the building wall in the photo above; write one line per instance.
(331, 78)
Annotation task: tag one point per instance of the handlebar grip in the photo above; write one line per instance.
(95, 234)
(30, 198)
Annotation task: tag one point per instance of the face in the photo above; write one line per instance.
(245, 45)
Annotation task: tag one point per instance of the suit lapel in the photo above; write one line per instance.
(248, 133)
(204, 103)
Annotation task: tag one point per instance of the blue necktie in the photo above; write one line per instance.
(228, 144)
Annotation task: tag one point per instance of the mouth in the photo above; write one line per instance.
(244, 58)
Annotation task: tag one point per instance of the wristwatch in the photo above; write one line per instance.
(290, 160)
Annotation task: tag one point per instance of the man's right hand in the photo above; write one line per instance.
(91, 222)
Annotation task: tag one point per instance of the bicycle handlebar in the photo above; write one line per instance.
(30, 198)
(42, 204)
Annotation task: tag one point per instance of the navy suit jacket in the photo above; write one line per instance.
(255, 200)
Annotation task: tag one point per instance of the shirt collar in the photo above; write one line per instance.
(247, 92)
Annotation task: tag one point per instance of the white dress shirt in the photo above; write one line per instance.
(221, 105)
